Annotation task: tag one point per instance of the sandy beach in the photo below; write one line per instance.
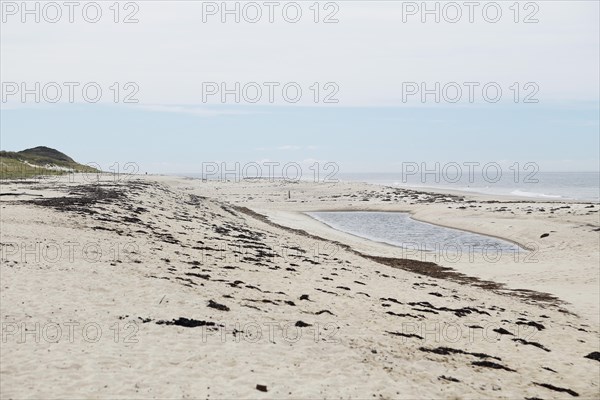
(167, 287)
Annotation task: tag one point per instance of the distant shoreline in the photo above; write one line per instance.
(475, 194)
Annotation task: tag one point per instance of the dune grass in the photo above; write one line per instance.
(21, 165)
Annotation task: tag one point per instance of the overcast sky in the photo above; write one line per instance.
(366, 110)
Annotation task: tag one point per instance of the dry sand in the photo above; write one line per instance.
(163, 287)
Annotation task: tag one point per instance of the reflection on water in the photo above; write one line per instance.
(399, 229)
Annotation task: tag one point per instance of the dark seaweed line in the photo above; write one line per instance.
(425, 268)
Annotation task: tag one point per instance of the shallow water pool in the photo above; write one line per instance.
(399, 229)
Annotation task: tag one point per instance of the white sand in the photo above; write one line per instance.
(171, 257)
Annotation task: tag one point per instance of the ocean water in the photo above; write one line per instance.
(582, 186)
(399, 229)
(528, 184)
